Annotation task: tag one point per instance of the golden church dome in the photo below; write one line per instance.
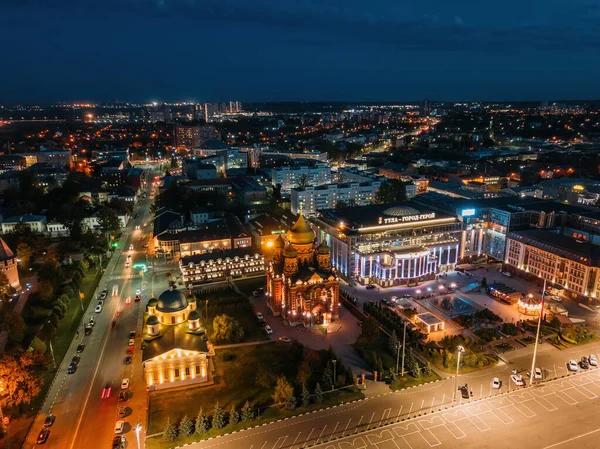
(301, 233)
(290, 252)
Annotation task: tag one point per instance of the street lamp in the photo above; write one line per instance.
(460, 350)
(138, 429)
(52, 350)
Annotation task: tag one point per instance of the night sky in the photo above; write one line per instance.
(276, 50)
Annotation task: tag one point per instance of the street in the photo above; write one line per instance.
(83, 418)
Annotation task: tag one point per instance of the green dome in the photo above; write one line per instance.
(193, 315)
(152, 302)
(279, 242)
(171, 300)
(152, 320)
(323, 247)
(191, 298)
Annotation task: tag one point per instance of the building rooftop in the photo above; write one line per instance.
(236, 252)
(429, 318)
(174, 337)
(561, 245)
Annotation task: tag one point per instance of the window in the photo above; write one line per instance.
(187, 370)
(197, 369)
(172, 320)
(177, 372)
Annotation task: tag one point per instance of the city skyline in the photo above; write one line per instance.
(281, 51)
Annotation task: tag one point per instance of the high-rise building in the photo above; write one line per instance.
(187, 137)
(425, 107)
(209, 112)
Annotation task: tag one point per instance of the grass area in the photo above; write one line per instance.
(64, 335)
(230, 303)
(410, 381)
(243, 374)
(526, 341)
(247, 286)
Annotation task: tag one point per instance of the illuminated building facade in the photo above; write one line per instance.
(175, 353)
(302, 287)
(391, 244)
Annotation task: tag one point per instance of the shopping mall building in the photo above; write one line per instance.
(400, 244)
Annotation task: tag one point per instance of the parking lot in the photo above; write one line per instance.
(463, 425)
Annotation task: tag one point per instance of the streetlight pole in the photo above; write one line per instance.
(460, 350)
(397, 357)
(52, 352)
(334, 373)
(537, 335)
(403, 348)
(138, 429)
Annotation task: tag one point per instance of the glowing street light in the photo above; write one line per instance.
(138, 429)
(460, 350)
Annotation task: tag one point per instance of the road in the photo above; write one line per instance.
(513, 401)
(83, 419)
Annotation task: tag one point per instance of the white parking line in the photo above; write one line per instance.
(299, 433)
(372, 416)
(358, 425)
(276, 442)
(308, 437)
(388, 410)
(334, 429)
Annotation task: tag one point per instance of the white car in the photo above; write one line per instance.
(572, 366)
(507, 274)
(131, 342)
(537, 374)
(268, 330)
(496, 383)
(138, 292)
(125, 384)
(260, 316)
(593, 360)
(98, 308)
(556, 298)
(394, 298)
(517, 379)
(119, 427)
(131, 247)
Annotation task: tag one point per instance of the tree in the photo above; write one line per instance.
(393, 343)
(303, 180)
(283, 390)
(327, 378)
(226, 330)
(71, 215)
(234, 416)
(391, 191)
(247, 413)
(201, 422)
(20, 375)
(24, 254)
(218, 417)
(318, 395)
(340, 205)
(305, 396)
(170, 433)
(186, 426)
(304, 372)
(379, 367)
(290, 402)
(370, 329)
(108, 221)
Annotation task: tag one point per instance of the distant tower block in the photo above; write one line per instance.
(8, 265)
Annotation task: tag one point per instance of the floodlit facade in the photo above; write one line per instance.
(309, 199)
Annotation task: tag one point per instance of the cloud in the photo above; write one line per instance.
(458, 21)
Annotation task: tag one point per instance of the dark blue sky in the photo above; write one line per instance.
(265, 50)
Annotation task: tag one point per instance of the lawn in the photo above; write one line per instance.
(230, 303)
(410, 381)
(247, 286)
(242, 374)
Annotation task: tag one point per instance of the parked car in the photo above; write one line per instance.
(130, 350)
(386, 302)
(260, 316)
(255, 293)
(119, 427)
(43, 436)
(138, 298)
(80, 347)
(72, 368)
(118, 442)
(128, 360)
(496, 383)
(123, 396)
(537, 374)
(88, 329)
(370, 287)
(572, 366)
(98, 308)
(103, 295)
(76, 359)
(464, 391)
(131, 334)
(131, 342)
(285, 339)
(584, 363)
(49, 420)
(593, 360)
(268, 329)
(130, 247)
(507, 274)
(92, 321)
(517, 379)
(125, 384)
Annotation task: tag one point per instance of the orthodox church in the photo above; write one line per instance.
(302, 287)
